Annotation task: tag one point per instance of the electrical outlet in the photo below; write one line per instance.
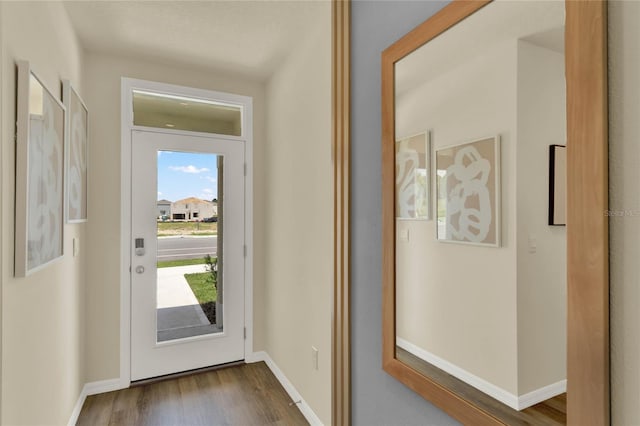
(314, 357)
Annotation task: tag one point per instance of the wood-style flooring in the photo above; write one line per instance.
(247, 394)
(552, 412)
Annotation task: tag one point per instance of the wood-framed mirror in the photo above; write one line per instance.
(452, 197)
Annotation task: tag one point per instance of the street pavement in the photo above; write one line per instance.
(186, 247)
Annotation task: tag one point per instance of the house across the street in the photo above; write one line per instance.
(164, 209)
(188, 209)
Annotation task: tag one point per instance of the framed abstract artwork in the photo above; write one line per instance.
(557, 185)
(75, 155)
(39, 212)
(413, 177)
(468, 193)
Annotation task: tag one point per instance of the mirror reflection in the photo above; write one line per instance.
(480, 271)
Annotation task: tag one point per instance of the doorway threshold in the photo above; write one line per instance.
(157, 379)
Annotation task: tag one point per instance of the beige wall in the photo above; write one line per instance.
(624, 169)
(465, 315)
(542, 285)
(298, 216)
(43, 314)
(103, 247)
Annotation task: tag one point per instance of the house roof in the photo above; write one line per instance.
(163, 201)
(192, 200)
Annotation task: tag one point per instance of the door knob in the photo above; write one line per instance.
(140, 269)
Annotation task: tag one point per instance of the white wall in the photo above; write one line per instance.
(103, 74)
(464, 314)
(298, 213)
(624, 196)
(43, 314)
(542, 284)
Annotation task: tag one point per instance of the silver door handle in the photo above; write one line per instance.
(140, 269)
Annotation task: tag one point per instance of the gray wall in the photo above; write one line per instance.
(378, 399)
(624, 198)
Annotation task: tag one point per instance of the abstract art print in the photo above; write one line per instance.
(468, 193)
(75, 155)
(413, 177)
(39, 220)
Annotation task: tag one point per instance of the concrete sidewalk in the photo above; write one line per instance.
(177, 305)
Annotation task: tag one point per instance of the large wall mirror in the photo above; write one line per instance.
(495, 255)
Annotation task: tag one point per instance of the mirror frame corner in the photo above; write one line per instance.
(588, 387)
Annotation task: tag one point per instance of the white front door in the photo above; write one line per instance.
(181, 321)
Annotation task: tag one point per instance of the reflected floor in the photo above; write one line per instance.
(552, 412)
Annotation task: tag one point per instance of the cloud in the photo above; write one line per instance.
(211, 179)
(159, 193)
(207, 194)
(188, 169)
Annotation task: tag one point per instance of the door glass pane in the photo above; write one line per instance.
(189, 240)
(181, 113)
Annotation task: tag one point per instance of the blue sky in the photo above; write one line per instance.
(182, 175)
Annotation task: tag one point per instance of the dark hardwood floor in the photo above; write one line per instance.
(247, 394)
(552, 412)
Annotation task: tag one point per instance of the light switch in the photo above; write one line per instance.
(403, 235)
(533, 244)
(76, 246)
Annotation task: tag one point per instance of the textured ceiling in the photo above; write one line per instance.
(245, 37)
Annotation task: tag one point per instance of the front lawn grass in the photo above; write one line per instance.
(181, 262)
(202, 286)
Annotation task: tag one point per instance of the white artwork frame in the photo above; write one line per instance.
(469, 193)
(76, 155)
(39, 217)
(413, 173)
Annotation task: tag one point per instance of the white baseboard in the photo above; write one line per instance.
(305, 409)
(78, 407)
(542, 394)
(102, 386)
(94, 388)
(507, 398)
(255, 357)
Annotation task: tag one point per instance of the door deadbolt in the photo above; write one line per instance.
(139, 246)
(140, 269)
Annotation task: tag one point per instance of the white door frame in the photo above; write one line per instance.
(126, 123)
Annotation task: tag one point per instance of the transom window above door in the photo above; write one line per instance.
(166, 111)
